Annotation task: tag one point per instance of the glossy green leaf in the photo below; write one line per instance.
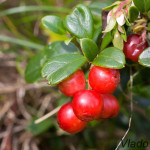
(111, 24)
(118, 40)
(37, 129)
(61, 67)
(89, 48)
(60, 48)
(34, 66)
(142, 5)
(110, 58)
(97, 29)
(54, 24)
(133, 13)
(106, 40)
(80, 22)
(144, 58)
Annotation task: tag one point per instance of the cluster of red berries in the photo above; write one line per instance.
(88, 105)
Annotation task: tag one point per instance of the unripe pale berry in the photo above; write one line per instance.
(104, 80)
(73, 84)
(87, 105)
(68, 121)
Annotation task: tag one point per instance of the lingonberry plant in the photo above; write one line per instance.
(98, 45)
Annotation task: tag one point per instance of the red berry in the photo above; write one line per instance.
(111, 106)
(87, 105)
(73, 84)
(104, 80)
(132, 48)
(68, 121)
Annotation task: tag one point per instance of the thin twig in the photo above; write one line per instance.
(131, 109)
(48, 115)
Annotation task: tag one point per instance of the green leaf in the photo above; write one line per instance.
(106, 40)
(60, 48)
(144, 58)
(133, 13)
(111, 24)
(37, 129)
(97, 7)
(142, 5)
(54, 24)
(112, 6)
(61, 67)
(118, 41)
(110, 58)
(34, 66)
(80, 22)
(89, 48)
(97, 29)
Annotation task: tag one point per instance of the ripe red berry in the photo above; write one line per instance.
(73, 84)
(104, 80)
(68, 121)
(111, 106)
(134, 47)
(87, 105)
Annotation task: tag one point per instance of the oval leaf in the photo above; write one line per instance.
(54, 24)
(142, 5)
(61, 67)
(60, 48)
(89, 48)
(110, 58)
(80, 22)
(144, 58)
(133, 13)
(33, 69)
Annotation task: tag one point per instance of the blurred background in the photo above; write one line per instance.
(21, 37)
